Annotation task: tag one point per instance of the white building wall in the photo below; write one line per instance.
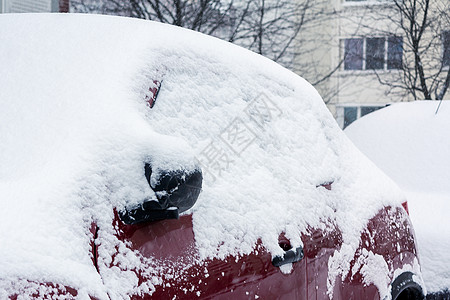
(350, 88)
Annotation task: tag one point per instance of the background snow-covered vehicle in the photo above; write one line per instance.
(93, 179)
(398, 140)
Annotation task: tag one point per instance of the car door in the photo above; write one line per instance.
(252, 276)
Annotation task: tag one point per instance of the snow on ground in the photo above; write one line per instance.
(411, 144)
(75, 132)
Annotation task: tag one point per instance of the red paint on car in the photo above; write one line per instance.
(388, 234)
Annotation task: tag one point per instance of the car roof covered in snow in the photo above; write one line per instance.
(75, 131)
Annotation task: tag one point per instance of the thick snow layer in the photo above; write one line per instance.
(410, 143)
(75, 132)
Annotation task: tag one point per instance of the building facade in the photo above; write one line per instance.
(362, 55)
(33, 6)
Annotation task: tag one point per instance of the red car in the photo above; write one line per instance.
(144, 161)
(258, 275)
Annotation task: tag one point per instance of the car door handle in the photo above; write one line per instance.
(290, 256)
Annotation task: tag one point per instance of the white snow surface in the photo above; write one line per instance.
(75, 132)
(410, 143)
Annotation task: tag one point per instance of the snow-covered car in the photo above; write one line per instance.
(399, 140)
(112, 129)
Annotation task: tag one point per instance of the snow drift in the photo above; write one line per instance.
(409, 142)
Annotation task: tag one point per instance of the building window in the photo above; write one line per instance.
(353, 59)
(348, 114)
(379, 53)
(395, 53)
(446, 48)
(368, 109)
(375, 51)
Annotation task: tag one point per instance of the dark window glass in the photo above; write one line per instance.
(368, 109)
(446, 44)
(353, 57)
(350, 114)
(395, 53)
(375, 53)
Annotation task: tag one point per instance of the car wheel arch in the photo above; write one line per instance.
(404, 287)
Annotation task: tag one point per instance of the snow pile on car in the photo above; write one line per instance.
(76, 130)
(409, 142)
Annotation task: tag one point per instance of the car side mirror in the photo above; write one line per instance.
(176, 192)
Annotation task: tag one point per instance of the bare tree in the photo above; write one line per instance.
(267, 27)
(110, 7)
(424, 26)
(271, 27)
(205, 16)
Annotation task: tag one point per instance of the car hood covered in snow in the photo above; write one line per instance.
(75, 131)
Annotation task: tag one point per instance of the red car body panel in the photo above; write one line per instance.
(252, 276)
(241, 278)
(46, 291)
